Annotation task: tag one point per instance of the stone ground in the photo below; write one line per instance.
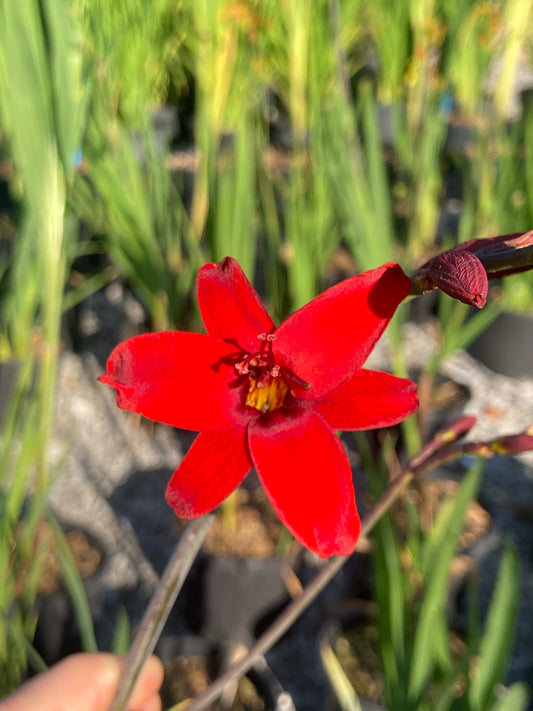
(116, 468)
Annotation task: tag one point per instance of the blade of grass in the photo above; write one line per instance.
(74, 587)
(122, 634)
(435, 571)
(341, 685)
(497, 640)
(515, 698)
(35, 661)
(389, 589)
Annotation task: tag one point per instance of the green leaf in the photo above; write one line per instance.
(441, 546)
(341, 685)
(515, 699)
(390, 593)
(122, 634)
(69, 95)
(34, 659)
(75, 589)
(497, 640)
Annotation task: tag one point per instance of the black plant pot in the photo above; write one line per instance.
(238, 595)
(506, 346)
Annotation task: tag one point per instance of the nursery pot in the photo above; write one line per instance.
(506, 346)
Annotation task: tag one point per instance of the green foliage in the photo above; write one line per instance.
(496, 644)
(430, 646)
(135, 204)
(135, 56)
(41, 113)
(73, 586)
(244, 63)
(420, 670)
(42, 116)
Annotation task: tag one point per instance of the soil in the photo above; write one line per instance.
(188, 676)
(87, 556)
(246, 526)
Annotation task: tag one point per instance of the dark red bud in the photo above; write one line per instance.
(514, 444)
(457, 429)
(506, 445)
(503, 255)
(443, 438)
(461, 275)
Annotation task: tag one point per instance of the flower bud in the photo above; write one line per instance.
(463, 272)
(504, 255)
(460, 274)
(514, 444)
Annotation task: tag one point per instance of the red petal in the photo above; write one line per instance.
(230, 306)
(369, 399)
(181, 379)
(214, 466)
(329, 339)
(306, 474)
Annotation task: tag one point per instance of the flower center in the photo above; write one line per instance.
(266, 396)
(268, 382)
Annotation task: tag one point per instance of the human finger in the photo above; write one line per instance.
(86, 682)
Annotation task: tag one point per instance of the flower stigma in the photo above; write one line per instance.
(268, 384)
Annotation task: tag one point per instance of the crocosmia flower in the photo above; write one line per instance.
(271, 397)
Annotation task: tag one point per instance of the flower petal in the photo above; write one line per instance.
(306, 475)
(182, 379)
(213, 467)
(329, 339)
(231, 308)
(369, 399)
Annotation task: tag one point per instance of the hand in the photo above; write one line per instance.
(86, 682)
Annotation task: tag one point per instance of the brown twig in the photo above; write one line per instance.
(160, 606)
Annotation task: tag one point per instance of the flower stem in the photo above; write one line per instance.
(395, 489)
(160, 606)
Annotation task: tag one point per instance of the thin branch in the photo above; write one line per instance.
(160, 606)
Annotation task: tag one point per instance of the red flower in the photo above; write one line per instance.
(270, 397)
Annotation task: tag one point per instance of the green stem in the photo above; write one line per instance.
(160, 606)
(409, 426)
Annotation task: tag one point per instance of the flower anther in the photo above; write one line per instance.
(268, 383)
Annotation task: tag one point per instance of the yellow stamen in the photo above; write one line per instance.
(266, 396)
